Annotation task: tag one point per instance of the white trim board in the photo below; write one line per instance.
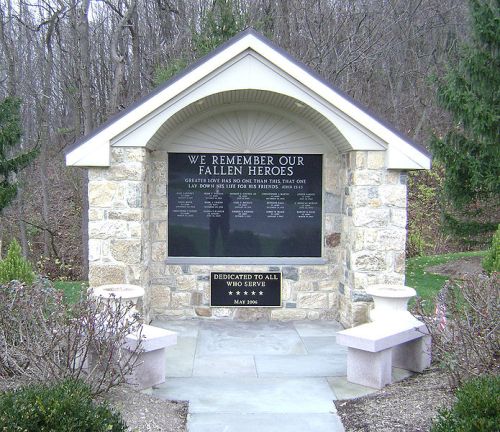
(248, 61)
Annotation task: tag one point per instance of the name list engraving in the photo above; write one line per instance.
(244, 205)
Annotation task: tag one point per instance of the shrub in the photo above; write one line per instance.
(465, 334)
(42, 338)
(64, 406)
(15, 267)
(491, 262)
(477, 408)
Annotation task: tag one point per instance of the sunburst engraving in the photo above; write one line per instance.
(248, 131)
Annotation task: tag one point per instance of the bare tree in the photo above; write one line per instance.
(75, 62)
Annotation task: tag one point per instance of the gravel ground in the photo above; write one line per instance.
(144, 413)
(406, 406)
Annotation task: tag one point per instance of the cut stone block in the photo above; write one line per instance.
(369, 369)
(373, 349)
(151, 369)
(376, 337)
(414, 356)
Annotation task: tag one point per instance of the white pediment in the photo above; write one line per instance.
(249, 63)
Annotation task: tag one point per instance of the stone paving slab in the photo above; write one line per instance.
(224, 366)
(185, 328)
(248, 338)
(259, 376)
(264, 423)
(323, 345)
(312, 365)
(343, 389)
(250, 395)
(180, 358)
(317, 328)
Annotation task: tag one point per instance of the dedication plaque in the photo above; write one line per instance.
(245, 289)
(244, 205)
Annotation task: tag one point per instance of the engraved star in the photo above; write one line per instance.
(237, 293)
(261, 293)
(230, 293)
(246, 293)
(253, 292)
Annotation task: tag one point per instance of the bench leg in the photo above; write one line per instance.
(370, 369)
(150, 369)
(414, 356)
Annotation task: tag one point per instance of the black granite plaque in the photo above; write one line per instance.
(245, 289)
(244, 205)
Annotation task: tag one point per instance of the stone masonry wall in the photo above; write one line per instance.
(373, 232)
(308, 292)
(364, 241)
(118, 219)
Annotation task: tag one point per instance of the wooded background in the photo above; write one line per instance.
(74, 63)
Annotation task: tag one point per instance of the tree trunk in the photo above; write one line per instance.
(136, 56)
(83, 37)
(119, 59)
(45, 111)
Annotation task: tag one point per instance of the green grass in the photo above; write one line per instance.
(71, 289)
(428, 284)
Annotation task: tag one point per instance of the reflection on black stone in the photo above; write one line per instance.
(181, 245)
(300, 242)
(244, 244)
(219, 223)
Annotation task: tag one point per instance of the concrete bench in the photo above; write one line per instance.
(375, 348)
(151, 365)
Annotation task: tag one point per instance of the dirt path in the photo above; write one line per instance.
(458, 268)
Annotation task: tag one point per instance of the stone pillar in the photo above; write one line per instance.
(118, 219)
(162, 283)
(374, 227)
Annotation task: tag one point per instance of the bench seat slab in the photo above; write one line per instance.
(379, 336)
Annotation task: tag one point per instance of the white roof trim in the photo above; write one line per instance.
(95, 150)
(259, 75)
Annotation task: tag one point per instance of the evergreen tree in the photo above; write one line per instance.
(15, 267)
(219, 23)
(10, 136)
(470, 151)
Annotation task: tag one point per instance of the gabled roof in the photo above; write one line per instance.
(248, 61)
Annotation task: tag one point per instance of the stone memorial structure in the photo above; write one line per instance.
(248, 173)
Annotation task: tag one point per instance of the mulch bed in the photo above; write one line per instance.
(406, 406)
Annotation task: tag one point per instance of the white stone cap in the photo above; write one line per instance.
(124, 291)
(391, 291)
(378, 336)
(153, 338)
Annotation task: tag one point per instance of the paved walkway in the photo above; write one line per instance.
(258, 376)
